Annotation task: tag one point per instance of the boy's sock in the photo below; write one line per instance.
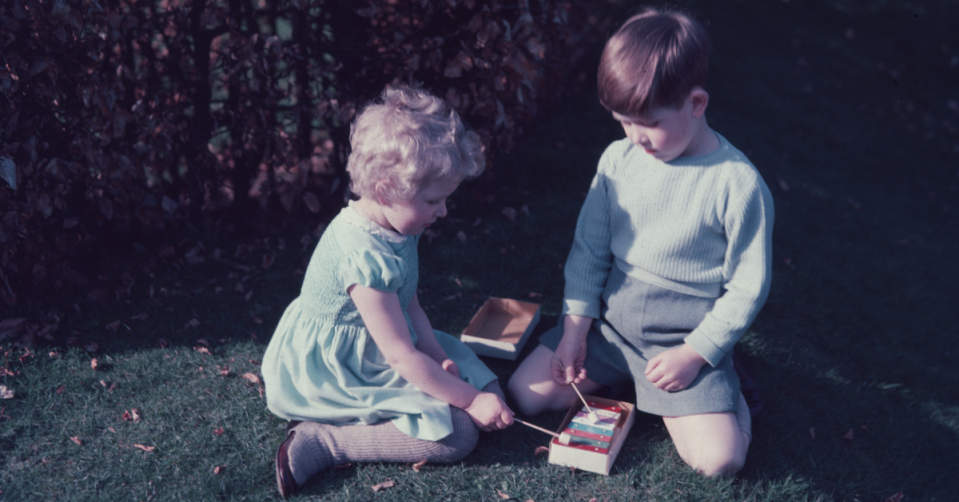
(754, 399)
(744, 418)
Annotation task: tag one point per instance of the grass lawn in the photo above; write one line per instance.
(848, 109)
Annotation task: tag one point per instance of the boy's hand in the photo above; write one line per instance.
(451, 367)
(675, 368)
(489, 412)
(567, 363)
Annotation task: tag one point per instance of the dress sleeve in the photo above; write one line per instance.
(747, 273)
(590, 258)
(374, 269)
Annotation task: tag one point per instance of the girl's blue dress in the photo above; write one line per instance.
(322, 365)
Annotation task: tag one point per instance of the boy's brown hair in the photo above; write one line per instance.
(654, 60)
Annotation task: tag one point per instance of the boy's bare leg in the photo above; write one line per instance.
(714, 444)
(533, 389)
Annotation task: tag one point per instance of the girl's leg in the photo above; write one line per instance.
(533, 389)
(714, 444)
(312, 447)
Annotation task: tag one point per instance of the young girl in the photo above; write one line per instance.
(671, 259)
(354, 363)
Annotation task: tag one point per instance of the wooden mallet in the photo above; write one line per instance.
(593, 417)
(563, 438)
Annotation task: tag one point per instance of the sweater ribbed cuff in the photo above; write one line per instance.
(581, 308)
(708, 336)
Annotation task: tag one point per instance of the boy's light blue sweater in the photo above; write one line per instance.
(696, 225)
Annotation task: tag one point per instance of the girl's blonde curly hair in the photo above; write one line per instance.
(407, 139)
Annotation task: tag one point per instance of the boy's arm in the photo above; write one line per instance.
(748, 272)
(590, 258)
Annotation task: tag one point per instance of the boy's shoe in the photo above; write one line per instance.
(284, 476)
(754, 398)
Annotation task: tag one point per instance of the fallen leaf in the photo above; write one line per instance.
(76, 439)
(224, 371)
(135, 413)
(202, 341)
(202, 350)
(384, 485)
(126, 415)
(61, 388)
(5, 372)
(509, 213)
(896, 497)
(144, 447)
(503, 495)
(251, 377)
(218, 431)
(163, 342)
(218, 469)
(5, 393)
(192, 323)
(594, 499)
(541, 449)
(848, 436)
(93, 363)
(417, 466)
(113, 326)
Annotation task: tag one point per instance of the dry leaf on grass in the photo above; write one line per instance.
(218, 469)
(76, 439)
(251, 377)
(144, 447)
(93, 363)
(541, 449)
(5, 393)
(417, 466)
(202, 350)
(896, 497)
(218, 431)
(503, 495)
(384, 485)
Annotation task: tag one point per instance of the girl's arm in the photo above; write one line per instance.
(383, 316)
(425, 338)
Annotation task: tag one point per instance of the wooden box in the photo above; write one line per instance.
(501, 327)
(591, 455)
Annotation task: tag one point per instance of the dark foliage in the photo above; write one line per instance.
(124, 119)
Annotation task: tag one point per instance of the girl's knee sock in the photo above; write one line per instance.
(317, 447)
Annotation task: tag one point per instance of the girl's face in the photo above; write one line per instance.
(412, 217)
(667, 133)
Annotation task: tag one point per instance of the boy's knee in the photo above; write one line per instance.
(524, 400)
(717, 464)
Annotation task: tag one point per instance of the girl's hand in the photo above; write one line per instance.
(674, 369)
(451, 367)
(489, 412)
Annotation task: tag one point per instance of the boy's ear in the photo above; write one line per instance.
(699, 99)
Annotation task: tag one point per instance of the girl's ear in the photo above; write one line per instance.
(699, 99)
(381, 191)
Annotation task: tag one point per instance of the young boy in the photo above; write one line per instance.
(671, 258)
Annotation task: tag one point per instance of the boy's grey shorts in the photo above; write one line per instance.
(638, 321)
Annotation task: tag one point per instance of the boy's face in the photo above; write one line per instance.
(411, 217)
(666, 133)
